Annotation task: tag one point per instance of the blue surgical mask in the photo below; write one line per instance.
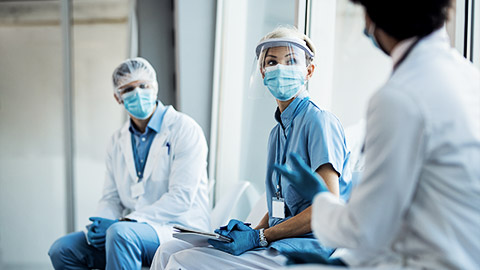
(284, 82)
(140, 103)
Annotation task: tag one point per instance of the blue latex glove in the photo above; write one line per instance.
(244, 238)
(97, 231)
(304, 180)
(232, 225)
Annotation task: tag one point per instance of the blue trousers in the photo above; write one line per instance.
(129, 245)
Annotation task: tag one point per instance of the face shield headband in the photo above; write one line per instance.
(279, 42)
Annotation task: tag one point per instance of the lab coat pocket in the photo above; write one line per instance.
(161, 164)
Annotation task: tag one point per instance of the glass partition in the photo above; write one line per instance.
(355, 68)
(244, 122)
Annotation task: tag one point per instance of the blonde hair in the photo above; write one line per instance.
(287, 32)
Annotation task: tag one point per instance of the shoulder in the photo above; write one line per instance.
(393, 95)
(274, 132)
(175, 120)
(118, 137)
(315, 117)
(182, 127)
(121, 132)
(394, 103)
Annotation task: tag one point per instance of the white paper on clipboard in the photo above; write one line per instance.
(197, 238)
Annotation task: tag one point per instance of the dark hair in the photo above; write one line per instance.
(403, 19)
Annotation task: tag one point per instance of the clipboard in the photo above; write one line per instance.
(197, 238)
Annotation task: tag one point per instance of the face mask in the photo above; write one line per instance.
(140, 102)
(284, 82)
(370, 34)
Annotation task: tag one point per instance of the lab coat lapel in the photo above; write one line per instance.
(153, 154)
(126, 148)
(157, 144)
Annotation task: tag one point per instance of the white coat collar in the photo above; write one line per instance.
(401, 48)
(440, 35)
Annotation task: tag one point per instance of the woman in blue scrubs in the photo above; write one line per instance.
(285, 60)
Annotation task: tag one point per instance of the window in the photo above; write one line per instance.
(349, 68)
(241, 126)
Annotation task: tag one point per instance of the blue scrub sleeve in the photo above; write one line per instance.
(327, 142)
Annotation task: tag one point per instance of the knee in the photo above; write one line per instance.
(58, 252)
(119, 233)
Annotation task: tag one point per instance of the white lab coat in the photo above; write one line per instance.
(418, 205)
(175, 178)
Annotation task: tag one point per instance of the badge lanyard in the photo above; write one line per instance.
(299, 108)
(278, 202)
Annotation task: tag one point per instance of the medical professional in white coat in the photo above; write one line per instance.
(418, 205)
(156, 177)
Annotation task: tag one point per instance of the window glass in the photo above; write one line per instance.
(349, 68)
(244, 122)
(476, 33)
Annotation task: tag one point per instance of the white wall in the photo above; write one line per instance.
(32, 185)
(98, 49)
(31, 159)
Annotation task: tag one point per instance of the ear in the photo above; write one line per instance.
(310, 70)
(262, 71)
(117, 99)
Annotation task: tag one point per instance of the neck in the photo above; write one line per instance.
(282, 105)
(386, 41)
(140, 124)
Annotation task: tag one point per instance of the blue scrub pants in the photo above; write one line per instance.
(129, 245)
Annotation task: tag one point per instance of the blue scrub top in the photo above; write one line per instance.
(318, 137)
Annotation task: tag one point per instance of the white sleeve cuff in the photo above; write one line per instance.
(324, 206)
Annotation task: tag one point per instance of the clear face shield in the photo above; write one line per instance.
(131, 88)
(280, 67)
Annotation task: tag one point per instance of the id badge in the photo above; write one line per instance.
(278, 207)
(137, 189)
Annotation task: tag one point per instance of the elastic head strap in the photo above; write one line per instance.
(279, 42)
